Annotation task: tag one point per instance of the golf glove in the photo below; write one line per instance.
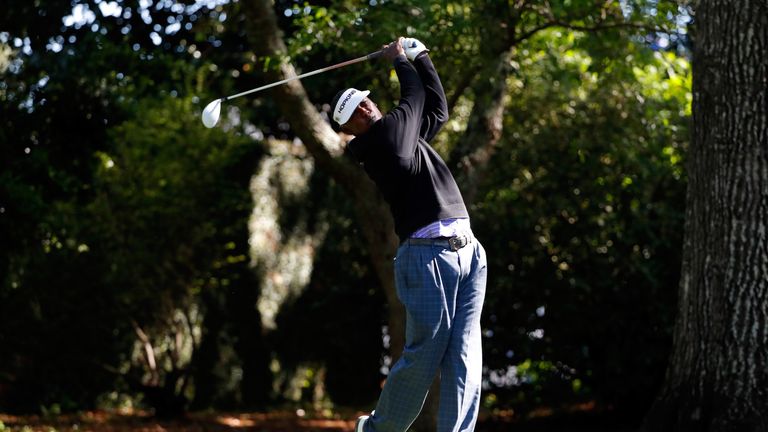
(413, 47)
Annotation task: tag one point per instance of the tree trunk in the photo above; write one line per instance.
(471, 155)
(717, 379)
(207, 355)
(325, 147)
(475, 148)
(250, 343)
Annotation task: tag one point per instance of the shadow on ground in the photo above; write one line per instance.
(283, 421)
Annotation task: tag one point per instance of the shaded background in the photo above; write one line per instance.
(150, 263)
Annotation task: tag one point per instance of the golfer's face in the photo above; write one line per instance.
(362, 118)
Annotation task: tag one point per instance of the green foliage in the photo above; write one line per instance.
(171, 204)
(85, 252)
(588, 190)
(161, 192)
(117, 208)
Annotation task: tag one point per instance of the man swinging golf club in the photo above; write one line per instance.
(440, 268)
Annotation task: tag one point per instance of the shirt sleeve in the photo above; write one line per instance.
(402, 123)
(435, 112)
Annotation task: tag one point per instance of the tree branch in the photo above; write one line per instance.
(326, 149)
(465, 81)
(591, 29)
(607, 26)
(545, 11)
(149, 350)
(528, 34)
(316, 134)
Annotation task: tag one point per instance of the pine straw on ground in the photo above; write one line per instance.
(279, 421)
(104, 421)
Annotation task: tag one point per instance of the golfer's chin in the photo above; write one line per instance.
(373, 119)
(360, 126)
(367, 125)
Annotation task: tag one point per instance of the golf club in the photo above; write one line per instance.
(212, 110)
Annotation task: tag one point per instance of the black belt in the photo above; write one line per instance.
(452, 243)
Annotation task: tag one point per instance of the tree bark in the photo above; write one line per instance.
(489, 87)
(484, 128)
(326, 148)
(717, 379)
(206, 356)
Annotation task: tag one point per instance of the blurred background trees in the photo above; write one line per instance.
(148, 260)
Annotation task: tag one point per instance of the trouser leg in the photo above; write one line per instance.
(461, 368)
(426, 280)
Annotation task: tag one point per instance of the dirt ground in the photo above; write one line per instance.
(283, 421)
(197, 422)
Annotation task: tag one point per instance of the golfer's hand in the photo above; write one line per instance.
(392, 50)
(412, 47)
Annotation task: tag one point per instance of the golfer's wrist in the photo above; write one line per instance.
(400, 57)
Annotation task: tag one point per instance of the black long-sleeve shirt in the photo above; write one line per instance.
(395, 153)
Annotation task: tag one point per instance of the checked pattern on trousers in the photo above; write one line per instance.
(443, 293)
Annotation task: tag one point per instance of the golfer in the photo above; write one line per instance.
(440, 268)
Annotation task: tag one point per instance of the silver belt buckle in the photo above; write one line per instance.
(457, 242)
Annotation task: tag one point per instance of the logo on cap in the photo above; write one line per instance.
(347, 103)
(346, 99)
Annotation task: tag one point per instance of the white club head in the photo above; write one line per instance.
(211, 113)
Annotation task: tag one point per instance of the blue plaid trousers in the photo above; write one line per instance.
(443, 292)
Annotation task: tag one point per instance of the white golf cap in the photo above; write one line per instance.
(348, 102)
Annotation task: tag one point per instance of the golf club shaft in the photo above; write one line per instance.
(370, 56)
